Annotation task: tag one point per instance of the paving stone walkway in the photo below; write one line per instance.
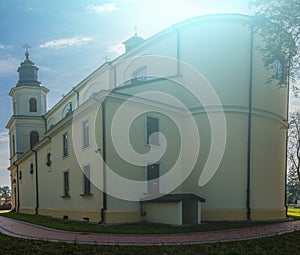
(30, 231)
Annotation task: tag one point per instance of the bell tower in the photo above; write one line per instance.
(29, 98)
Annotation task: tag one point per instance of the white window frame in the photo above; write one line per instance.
(147, 143)
(85, 134)
(84, 179)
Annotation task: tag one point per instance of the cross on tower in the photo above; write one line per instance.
(135, 31)
(26, 46)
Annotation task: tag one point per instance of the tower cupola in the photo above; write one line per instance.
(28, 72)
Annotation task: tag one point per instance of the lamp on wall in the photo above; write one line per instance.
(49, 159)
(31, 168)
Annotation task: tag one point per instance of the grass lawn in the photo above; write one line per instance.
(131, 228)
(280, 245)
(284, 244)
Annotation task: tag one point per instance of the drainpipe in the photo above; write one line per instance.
(103, 210)
(18, 190)
(114, 74)
(287, 139)
(177, 50)
(104, 195)
(77, 95)
(36, 182)
(45, 120)
(249, 130)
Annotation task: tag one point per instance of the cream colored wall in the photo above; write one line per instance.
(268, 164)
(27, 185)
(167, 213)
(137, 138)
(51, 191)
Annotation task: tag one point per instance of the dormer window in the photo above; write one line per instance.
(67, 110)
(32, 105)
(140, 75)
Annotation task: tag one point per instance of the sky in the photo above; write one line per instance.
(69, 39)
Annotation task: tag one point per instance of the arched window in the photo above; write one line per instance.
(34, 138)
(32, 105)
(67, 110)
(139, 75)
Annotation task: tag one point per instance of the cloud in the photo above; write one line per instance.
(2, 46)
(117, 49)
(66, 42)
(3, 136)
(99, 9)
(8, 66)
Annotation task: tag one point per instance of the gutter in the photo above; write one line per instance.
(36, 183)
(17, 206)
(77, 96)
(248, 199)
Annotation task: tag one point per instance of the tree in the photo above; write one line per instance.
(278, 24)
(294, 154)
(5, 191)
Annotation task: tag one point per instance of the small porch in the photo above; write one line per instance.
(176, 209)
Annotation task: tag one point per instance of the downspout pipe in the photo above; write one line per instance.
(36, 182)
(287, 140)
(248, 199)
(104, 207)
(177, 49)
(18, 189)
(104, 195)
(77, 95)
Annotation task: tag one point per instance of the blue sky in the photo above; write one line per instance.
(70, 38)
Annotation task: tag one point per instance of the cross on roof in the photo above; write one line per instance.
(26, 46)
(107, 59)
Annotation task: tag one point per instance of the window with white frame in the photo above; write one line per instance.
(85, 134)
(86, 180)
(278, 71)
(152, 125)
(32, 105)
(65, 145)
(140, 74)
(66, 184)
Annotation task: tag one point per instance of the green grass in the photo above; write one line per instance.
(280, 245)
(133, 228)
(283, 244)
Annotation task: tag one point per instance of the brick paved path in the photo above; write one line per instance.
(30, 231)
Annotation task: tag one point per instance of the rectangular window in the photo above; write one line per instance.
(66, 184)
(86, 134)
(139, 75)
(65, 145)
(86, 180)
(152, 127)
(152, 173)
(278, 69)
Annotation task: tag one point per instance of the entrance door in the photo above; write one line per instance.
(152, 178)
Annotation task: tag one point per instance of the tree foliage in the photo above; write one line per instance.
(5, 191)
(294, 148)
(278, 24)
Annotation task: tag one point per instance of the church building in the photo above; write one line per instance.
(181, 128)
